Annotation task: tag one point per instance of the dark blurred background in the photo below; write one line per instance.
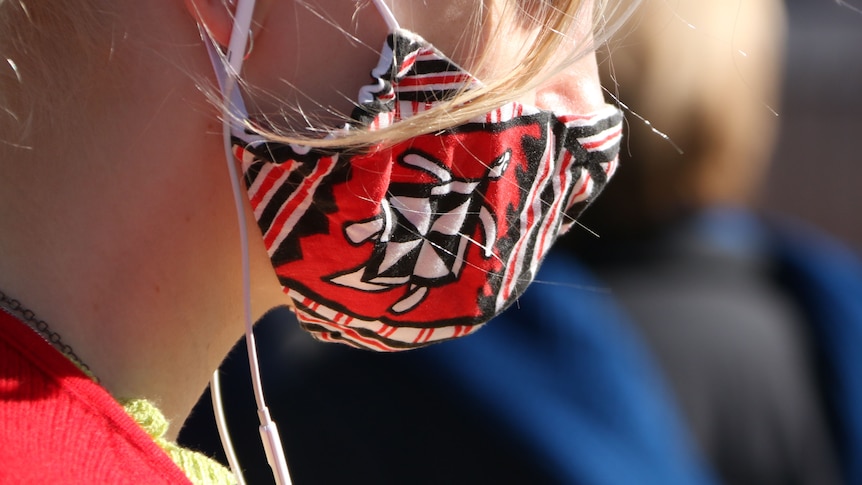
(818, 167)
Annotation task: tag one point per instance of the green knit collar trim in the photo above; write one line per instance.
(201, 469)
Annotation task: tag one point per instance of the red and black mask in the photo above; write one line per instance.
(395, 247)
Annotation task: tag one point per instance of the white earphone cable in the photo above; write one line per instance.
(221, 424)
(233, 60)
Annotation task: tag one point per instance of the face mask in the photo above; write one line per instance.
(396, 247)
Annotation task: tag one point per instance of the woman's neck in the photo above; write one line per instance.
(149, 297)
(121, 233)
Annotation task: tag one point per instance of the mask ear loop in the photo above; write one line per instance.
(228, 68)
(387, 15)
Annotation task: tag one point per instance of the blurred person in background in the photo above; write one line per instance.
(752, 323)
(751, 318)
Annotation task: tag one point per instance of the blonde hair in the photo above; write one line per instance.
(54, 41)
(47, 58)
(553, 25)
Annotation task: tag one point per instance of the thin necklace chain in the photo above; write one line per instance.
(42, 328)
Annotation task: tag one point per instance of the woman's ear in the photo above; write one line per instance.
(216, 16)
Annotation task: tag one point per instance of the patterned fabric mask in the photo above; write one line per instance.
(396, 247)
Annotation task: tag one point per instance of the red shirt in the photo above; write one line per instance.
(57, 426)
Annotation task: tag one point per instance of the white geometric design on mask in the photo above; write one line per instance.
(415, 210)
(422, 163)
(489, 226)
(413, 298)
(429, 264)
(452, 222)
(395, 252)
(354, 280)
(413, 242)
(363, 231)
